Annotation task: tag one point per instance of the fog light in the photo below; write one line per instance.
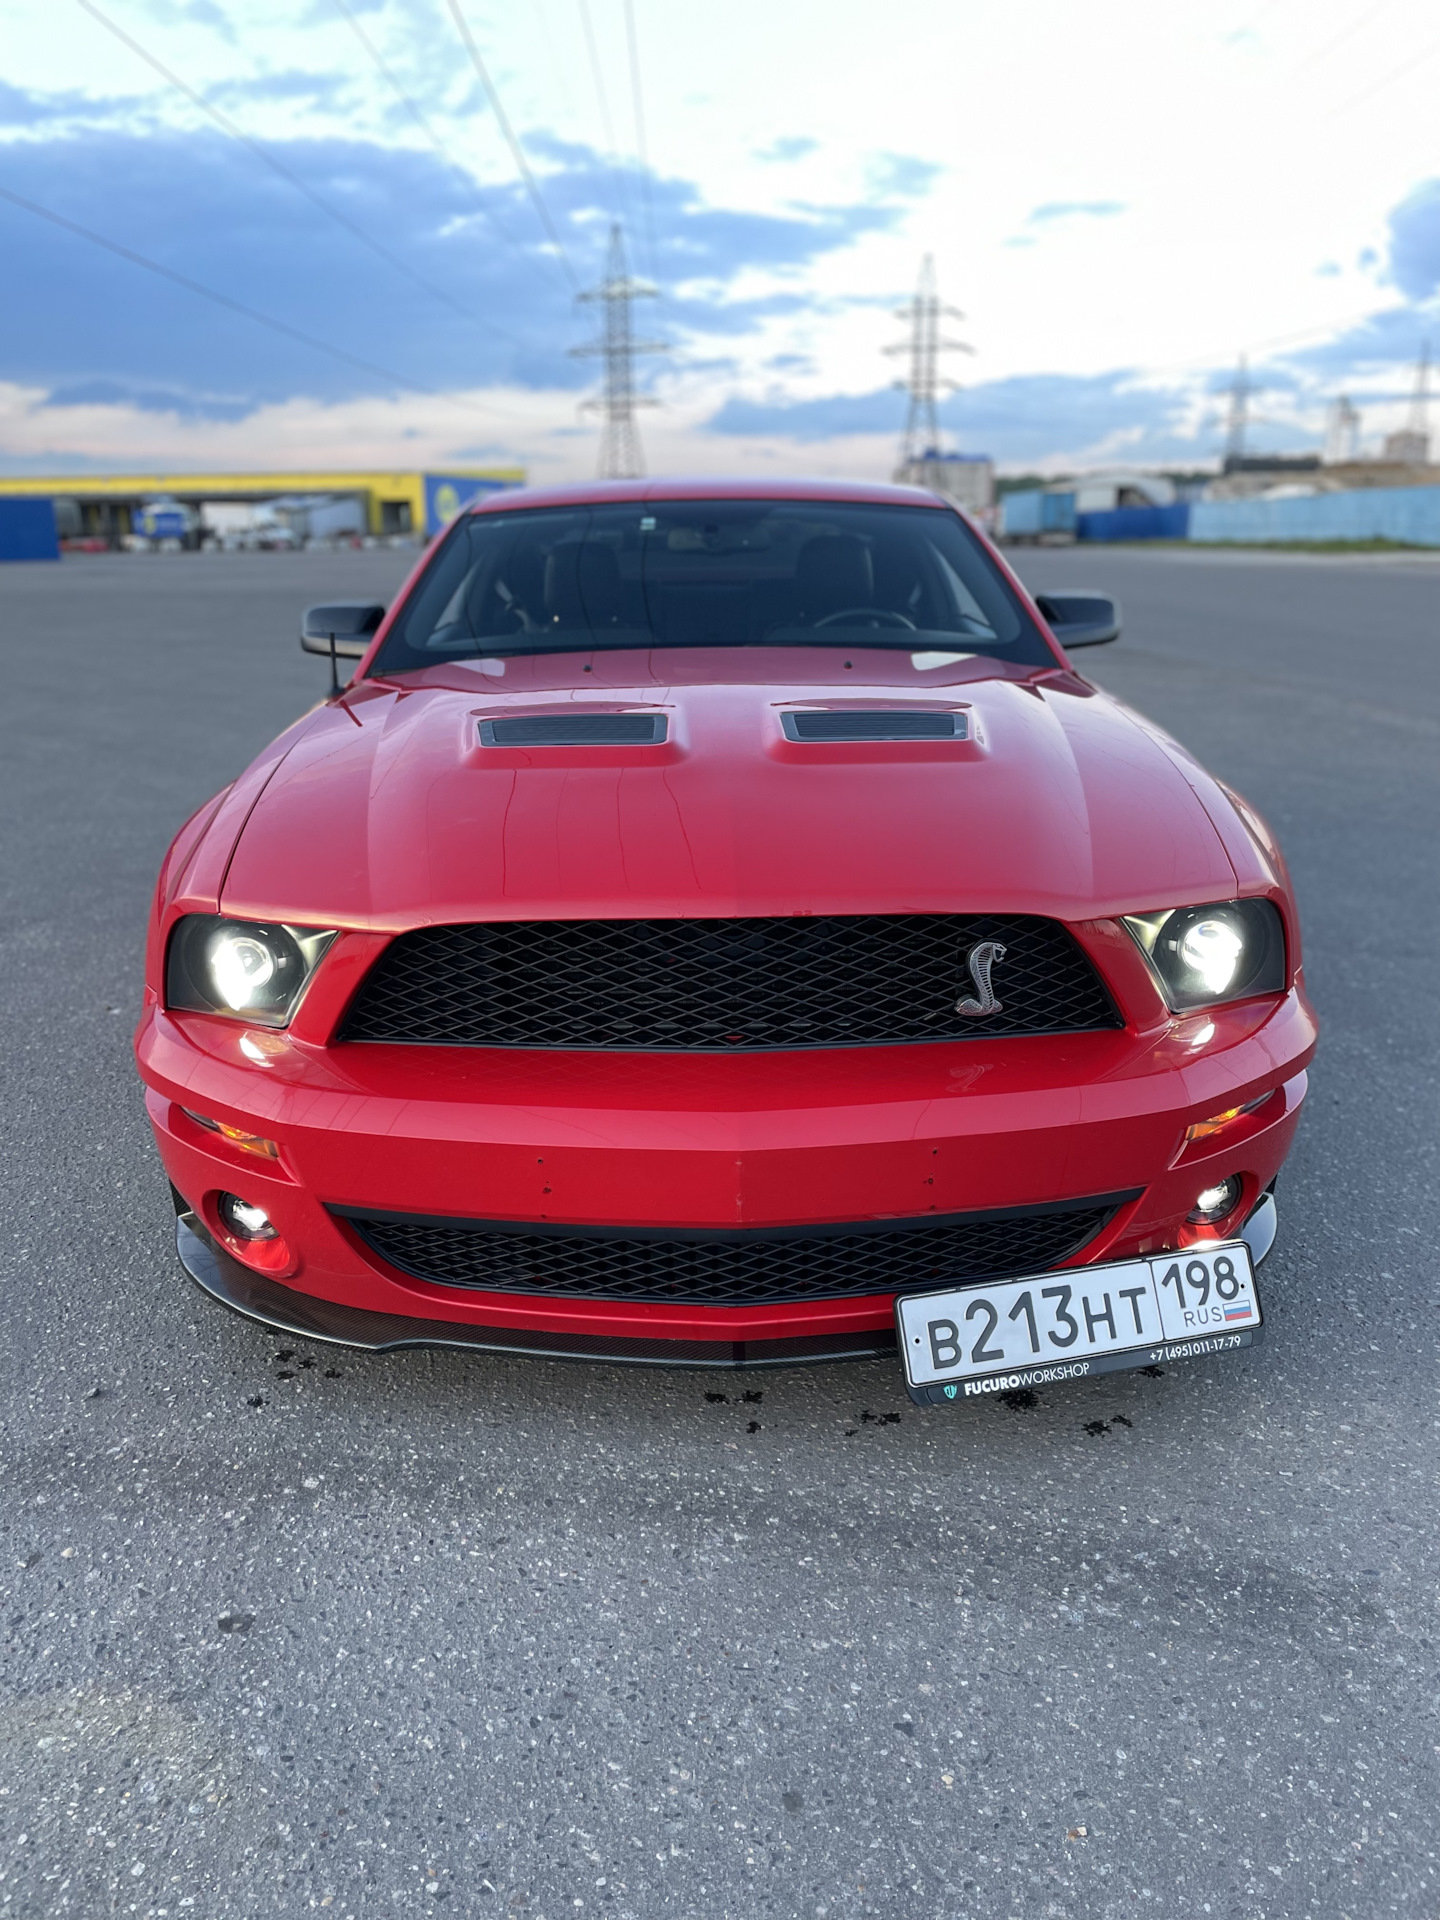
(244, 1219)
(1213, 1203)
(250, 1234)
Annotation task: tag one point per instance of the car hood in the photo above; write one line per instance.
(388, 811)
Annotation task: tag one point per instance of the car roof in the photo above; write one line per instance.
(587, 493)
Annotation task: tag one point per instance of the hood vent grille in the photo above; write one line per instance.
(852, 725)
(575, 730)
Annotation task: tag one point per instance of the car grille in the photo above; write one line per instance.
(724, 985)
(752, 1267)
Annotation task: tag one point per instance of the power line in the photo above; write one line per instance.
(587, 27)
(196, 286)
(532, 186)
(235, 306)
(436, 140)
(228, 126)
(620, 454)
(1328, 47)
(637, 101)
(1395, 73)
(1322, 329)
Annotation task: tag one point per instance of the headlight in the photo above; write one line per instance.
(1203, 955)
(252, 971)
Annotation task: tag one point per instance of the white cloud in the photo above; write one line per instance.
(1248, 149)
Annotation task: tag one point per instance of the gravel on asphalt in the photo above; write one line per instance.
(292, 1629)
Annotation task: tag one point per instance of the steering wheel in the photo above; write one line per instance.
(877, 616)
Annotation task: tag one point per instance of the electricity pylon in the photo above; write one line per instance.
(924, 346)
(620, 457)
(1419, 422)
(1237, 416)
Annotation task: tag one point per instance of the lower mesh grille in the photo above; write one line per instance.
(751, 1268)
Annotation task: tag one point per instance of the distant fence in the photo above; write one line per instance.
(27, 529)
(1135, 523)
(1041, 511)
(1410, 515)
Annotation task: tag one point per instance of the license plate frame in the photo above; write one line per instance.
(1155, 1309)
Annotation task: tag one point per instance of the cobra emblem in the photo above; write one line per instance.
(980, 959)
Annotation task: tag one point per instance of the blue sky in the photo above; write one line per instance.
(1121, 201)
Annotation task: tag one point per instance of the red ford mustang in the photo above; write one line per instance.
(717, 924)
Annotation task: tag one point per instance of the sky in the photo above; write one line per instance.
(268, 235)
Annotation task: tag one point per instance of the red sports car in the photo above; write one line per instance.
(718, 925)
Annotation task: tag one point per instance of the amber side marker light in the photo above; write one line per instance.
(247, 1142)
(1217, 1123)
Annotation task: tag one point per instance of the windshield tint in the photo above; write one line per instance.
(710, 573)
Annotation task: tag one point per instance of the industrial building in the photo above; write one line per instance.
(109, 506)
(966, 478)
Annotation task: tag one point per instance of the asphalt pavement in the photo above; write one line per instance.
(289, 1629)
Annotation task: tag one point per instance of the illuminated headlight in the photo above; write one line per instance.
(251, 971)
(1203, 955)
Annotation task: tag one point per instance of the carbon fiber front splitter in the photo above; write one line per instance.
(265, 1300)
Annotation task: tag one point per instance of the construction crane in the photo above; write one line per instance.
(620, 456)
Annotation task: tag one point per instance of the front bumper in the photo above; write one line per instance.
(257, 1297)
(657, 1141)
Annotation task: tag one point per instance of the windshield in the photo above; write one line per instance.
(710, 573)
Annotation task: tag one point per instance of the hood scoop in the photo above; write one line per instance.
(575, 730)
(856, 724)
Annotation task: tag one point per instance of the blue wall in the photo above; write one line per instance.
(1408, 514)
(1135, 523)
(27, 530)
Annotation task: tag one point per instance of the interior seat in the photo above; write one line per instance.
(523, 580)
(832, 573)
(583, 587)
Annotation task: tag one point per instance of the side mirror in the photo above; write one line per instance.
(342, 631)
(1081, 619)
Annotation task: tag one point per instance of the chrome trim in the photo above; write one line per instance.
(1260, 1229)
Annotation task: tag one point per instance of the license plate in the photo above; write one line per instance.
(1081, 1321)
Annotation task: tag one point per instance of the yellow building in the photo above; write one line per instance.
(403, 502)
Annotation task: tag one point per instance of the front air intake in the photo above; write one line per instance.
(575, 730)
(808, 980)
(732, 1267)
(818, 728)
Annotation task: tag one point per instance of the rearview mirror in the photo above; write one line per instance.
(342, 631)
(1081, 619)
